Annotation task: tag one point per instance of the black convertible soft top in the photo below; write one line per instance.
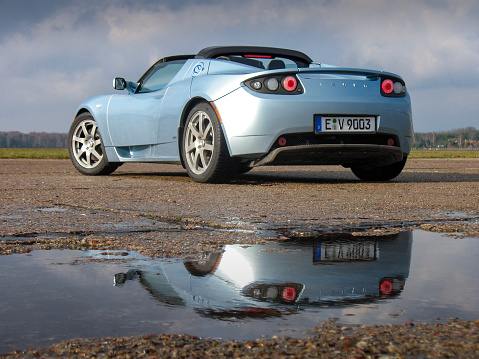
(216, 51)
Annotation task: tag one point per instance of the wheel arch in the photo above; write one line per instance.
(99, 114)
(82, 111)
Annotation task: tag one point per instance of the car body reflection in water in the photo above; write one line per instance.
(278, 279)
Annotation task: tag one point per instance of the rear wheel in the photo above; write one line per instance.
(204, 149)
(86, 147)
(379, 173)
(203, 267)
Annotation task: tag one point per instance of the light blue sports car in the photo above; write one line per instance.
(228, 109)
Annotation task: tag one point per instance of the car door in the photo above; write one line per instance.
(133, 118)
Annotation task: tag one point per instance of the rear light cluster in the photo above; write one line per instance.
(391, 87)
(283, 293)
(279, 84)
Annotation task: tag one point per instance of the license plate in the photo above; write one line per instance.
(344, 123)
(345, 252)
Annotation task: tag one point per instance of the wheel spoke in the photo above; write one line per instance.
(208, 129)
(189, 147)
(93, 130)
(201, 123)
(78, 139)
(202, 158)
(84, 129)
(88, 159)
(193, 130)
(195, 161)
(96, 154)
(208, 147)
(80, 151)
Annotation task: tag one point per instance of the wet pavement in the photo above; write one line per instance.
(241, 292)
(45, 196)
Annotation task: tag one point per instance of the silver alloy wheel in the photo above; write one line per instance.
(199, 142)
(86, 144)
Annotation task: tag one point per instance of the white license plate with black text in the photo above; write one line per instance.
(344, 123)
(344, 252)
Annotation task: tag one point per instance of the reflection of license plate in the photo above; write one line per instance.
(344, 252)
(344, 123)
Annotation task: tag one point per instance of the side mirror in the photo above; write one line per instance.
(119, 83)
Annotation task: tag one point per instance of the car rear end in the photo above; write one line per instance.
(318, 116)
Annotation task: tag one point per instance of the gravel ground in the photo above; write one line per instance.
(156, 210)
(455, 339)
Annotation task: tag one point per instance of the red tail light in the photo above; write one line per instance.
(289, 294)
(387, 86)
(386, 287)
(290, 83)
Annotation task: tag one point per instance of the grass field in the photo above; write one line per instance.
(444, 154)
(52, 153)
(62, 153)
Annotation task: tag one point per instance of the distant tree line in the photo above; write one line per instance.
(467, 138)
(33, 140)
(464, 138)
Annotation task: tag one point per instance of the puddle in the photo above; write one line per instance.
(52, 209)
(245, 292)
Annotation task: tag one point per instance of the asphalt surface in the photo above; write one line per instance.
(49, 197)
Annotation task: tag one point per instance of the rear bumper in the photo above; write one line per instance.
(332, 154)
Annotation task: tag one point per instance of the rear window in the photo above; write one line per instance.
(264, 62)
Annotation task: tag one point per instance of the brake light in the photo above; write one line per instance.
(289, 294)
(387, 86)
(386, 287)
(259, 56)
(290, 83)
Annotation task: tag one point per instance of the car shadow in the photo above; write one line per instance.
(311, 175)
(345, 177)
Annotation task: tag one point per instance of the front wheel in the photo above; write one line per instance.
(86, 147)
(204, 149)
(379, 173)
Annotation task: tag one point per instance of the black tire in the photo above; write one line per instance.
(203, 267)
(204, 149)
(86, 149)
(379, 173)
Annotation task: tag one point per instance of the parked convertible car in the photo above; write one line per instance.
(229, 109)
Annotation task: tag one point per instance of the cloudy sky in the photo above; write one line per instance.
(54, 54)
